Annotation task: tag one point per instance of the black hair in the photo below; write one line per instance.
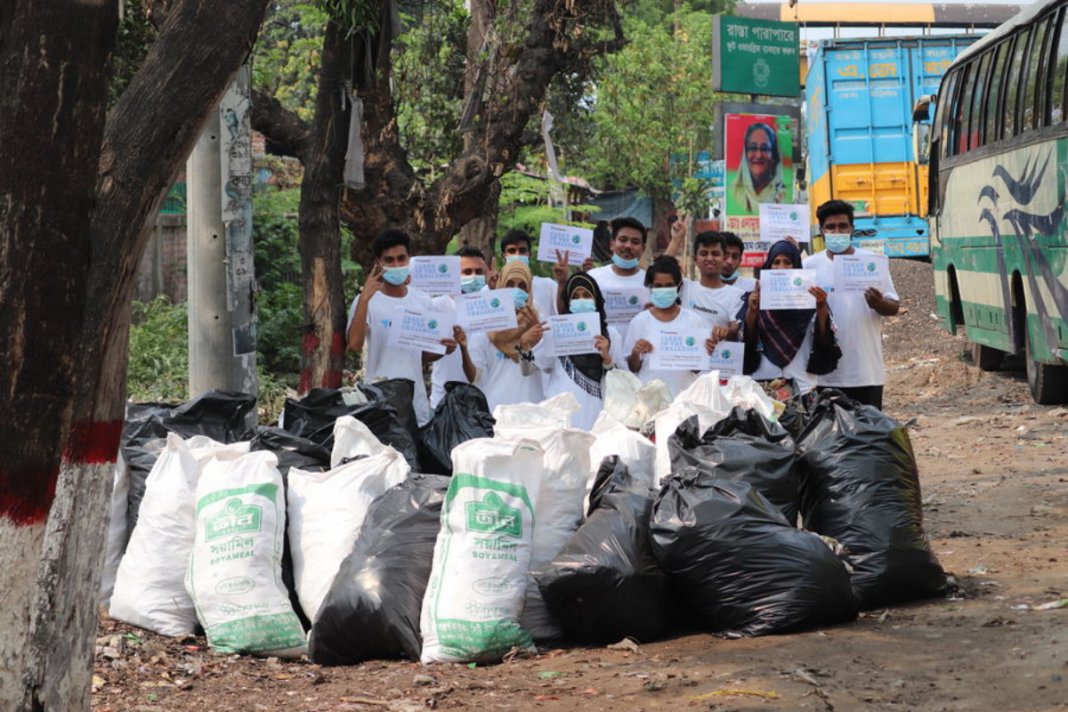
(634, 223)
(708, 238)
(732, 240)
(470, 251)
(834, 207)
(664, 265)
(512, 237)
(391, 238)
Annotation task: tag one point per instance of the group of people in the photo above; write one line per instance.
(837, 344)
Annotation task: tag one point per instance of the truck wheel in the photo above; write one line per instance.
(1048, 383)
(986, 358)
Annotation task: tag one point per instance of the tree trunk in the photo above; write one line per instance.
(147, 137)
(323, 347)
(53, 89)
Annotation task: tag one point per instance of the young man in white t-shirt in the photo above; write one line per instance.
(627, 245)
(857, 317)
(450, 367)
(733, 251)
(516, 245)
(716, 303)
(385, 296)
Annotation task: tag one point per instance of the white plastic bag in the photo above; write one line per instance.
(235, 569)
(745, 392)
(326, 511)
(555, 412)
(631, 402)
(635, 450)
(117, 535)
(352, 439)
(479, 579)
(705, 399)
(150, 584)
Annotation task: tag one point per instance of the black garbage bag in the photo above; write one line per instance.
(742, 567)
(461, 415)
(861, 486)
(612, 475)
(224, 416)
(303, 454)
(373, 607)
(794, 418)
(605, 584)
(744, 447)
(313, 417)
(399, 393)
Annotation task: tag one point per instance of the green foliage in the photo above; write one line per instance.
(354, 15)
(135, 35)
(158, 369)
(653, 100)
(525, 205)
(285, 60)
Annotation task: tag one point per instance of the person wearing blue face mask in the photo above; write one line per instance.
(627, 245)
(381, 304)
(860, 373)
(504, 361)
(664, 279)
(454, 366)
(516, 247)
(583, 375)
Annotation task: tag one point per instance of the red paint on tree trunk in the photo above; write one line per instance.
(309, 344)
(93, 443)
(26, 493)
(332, 376)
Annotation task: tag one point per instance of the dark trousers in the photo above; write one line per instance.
(868, 395)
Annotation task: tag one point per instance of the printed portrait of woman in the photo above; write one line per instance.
(760, 174)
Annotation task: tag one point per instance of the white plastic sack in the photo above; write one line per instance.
(565, 470)
(705, 399)
(634, 450)
(326, 511)
(117, 535)
(555, 412)
(150, 584)
(479, 579)
(235, 569)
(745, 392)
(631, 402)
(352, 439)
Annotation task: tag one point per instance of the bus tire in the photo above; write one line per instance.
(986, 358)
(1048, 383)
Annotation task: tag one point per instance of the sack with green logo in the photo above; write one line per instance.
(235, 571)
(479, 578)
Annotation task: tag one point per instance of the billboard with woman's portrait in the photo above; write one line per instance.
(758, 149)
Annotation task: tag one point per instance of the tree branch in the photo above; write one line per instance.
(287, 132)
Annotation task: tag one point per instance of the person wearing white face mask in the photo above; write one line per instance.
(454, 367)
(382, 302)
(858, 317)
(664, 278)
(583, 375)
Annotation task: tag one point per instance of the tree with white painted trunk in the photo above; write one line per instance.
(76, 196)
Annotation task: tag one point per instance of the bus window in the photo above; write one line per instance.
(963, 110)
(1059, 110)
(1012, 84)
(1043, 98)
(942, 114)
(1027, 113)
(975, 128)
(993, 125)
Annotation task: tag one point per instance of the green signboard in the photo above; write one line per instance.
(755, 56)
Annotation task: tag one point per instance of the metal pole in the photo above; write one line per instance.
(222, 342)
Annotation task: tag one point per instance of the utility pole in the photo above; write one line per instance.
(222, 331)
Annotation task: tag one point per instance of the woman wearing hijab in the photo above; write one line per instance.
(788, 344)
(583, 375)
(760, 173)
(504, 360)
(663, 278)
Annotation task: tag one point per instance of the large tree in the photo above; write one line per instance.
(76, 197)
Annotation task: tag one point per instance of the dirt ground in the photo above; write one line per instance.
(994, 469)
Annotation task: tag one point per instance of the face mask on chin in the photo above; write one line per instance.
(624, 263)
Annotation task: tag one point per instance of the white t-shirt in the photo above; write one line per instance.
(745, 284)
(382, 361)
(606, 278)
(502, 380)
(449, 367)
(860, 329)
(716, 307)
(559, 381)
(648, 327)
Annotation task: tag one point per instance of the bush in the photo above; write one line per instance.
(158, 368)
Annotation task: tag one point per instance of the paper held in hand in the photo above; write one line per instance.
(574, 334)
(436, 275)
(622, 305)
(421, 331)
(577, 242)
(778, 222)
(855, 273)
(787, 289)
(490, 310)
(679, 350)
(727, 358)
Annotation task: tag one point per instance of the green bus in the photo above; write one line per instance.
(998, 179)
